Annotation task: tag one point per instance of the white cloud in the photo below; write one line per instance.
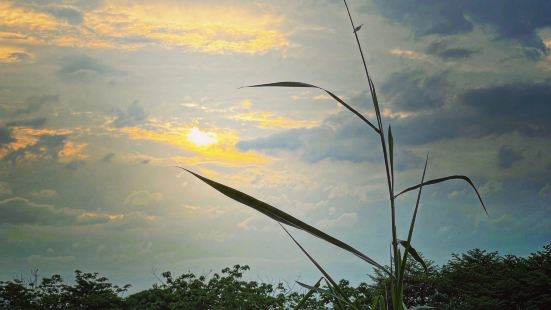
(344, 220)
(142, 198)
(44, 193)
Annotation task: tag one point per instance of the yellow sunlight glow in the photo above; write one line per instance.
(212, 145)
(200, 138)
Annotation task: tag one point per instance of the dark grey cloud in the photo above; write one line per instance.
(339, 137)
(134, 115)
(37, 122)
(415, 91)
(80, 67)
(511, 20)
(441, 49)
(523, 107)
(5, 136)
(507, 157)
(474, 113)
(22, 211)
(35, 103)
(107, 158)
(520, 107)
(19, 210)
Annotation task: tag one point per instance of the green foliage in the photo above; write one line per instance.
(474, 280)
(89, 292)
(225, 291)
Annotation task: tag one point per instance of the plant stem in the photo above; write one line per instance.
(390, 178)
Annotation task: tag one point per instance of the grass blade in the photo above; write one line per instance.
(282, 217)
(440, 180)
(407, 244)
(378, 303)
(312, 290)
(327, 276)
(337, 304)
(300, 84)
(411, 250)
(391, 153)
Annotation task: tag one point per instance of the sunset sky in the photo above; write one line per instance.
(100, 99)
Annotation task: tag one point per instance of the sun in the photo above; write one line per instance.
(201, 138)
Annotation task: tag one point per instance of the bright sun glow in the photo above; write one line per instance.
(201, 138)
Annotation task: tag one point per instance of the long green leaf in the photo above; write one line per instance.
(411, 250)
(337, 304)
(327, 276)
(282, 217)
(378, 303)
(312, 290)
(300, 84)
(391, 153)
(440, 180)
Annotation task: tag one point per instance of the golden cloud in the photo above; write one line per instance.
(24, 137)
(13, 54)
(168, 24)
(268, 120)
(72, 150)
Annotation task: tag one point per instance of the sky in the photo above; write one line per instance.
(99, 100)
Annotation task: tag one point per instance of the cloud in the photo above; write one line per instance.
(46, 146)
(336, 138)
(5, 136)
(268, 120)
(65, 12)
(440, 49)
(491, 186)
(14, 54)
(44, 193)
(75, 164)
(73, 150)
(29, 143)
(82, 67)
(507, 157)
(514, 20)
(19, 210)
(473, 113)
(134, 115)
(5, 189)
(37, 122)
(121, 24)
(344, 220)
(414, 91)
(142, 198)
(409, 54)
(107, 158)
(34, 103)
(478, 112)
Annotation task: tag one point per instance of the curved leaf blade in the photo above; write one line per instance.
(282, 217)
(327, 276)
(301, 84)
(312, 290)
(440, 180)
(411, 250)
